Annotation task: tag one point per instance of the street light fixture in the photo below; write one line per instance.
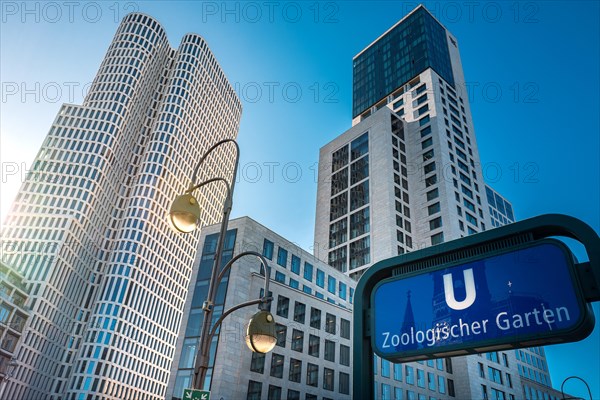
(184, 217)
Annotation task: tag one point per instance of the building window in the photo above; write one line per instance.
(430, 181)
(282, 257)
(441, 385)
(297, 340)
(320, 278)
(330, 323)
(426, 143)
(451, 388)
(328, 379)
(329, 350)
(437, 238)
(481, 370)
(299, 312)
(339, 181)
(428, 155)
(295, 267)
(360, 252)
(420, 378)
(277, 365)
(429, 168)
(344, 355)
(410, 375)
(434, 208)
(426, 131)
(433, 194)
(398, 372)
(254, 390)
(281, 331)
(344, 386)
(359, 170)
(308, 271)
(385, 368)
(312, 375)
(344, 328)
(342, 289)
(339, 158)
(338, 232)
(294, 284)
(435, 223)
(279, 277)
(295, 370)
(359, 146)
(431, 381)
(274, 393)
(258, 363)
(359, 223)
(359, 195)
(338, 206)
(313, 345)
(331, 284)
(268, 249)
(495, 375)
(283, 305)
(315, 318)
(337, 259)
(484, 393)
(293, 395)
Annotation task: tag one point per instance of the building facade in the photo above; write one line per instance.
(312, 306)
(13, 315)
(107, 276)
(407, 175)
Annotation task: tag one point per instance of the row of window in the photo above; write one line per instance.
(347, 227)
(283, 305)
(295, 372)
(310, 273)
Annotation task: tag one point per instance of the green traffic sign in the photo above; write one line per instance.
(195, 394)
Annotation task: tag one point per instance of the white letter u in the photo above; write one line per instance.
(469, 288)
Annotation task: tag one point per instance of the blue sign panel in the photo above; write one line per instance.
(506, 299)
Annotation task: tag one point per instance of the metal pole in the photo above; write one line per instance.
(562, 392)
(202, 357)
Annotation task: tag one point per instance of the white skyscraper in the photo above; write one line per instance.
(107, 277)
(407, 175)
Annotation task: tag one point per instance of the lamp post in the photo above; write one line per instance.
(562, 386)
(184, 216)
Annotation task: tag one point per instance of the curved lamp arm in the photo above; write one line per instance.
(206, 182)
(214, 146)
(562, 392)
(262, 260)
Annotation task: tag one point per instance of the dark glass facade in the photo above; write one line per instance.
(416, 44)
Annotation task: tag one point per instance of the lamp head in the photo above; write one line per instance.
(184, 215)
(260, 334)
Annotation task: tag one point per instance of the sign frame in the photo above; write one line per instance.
(580, 329)
(536, 228)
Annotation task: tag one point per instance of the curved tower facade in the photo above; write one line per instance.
(107, 276)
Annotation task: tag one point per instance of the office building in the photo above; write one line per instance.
(312, 306)
(13, 314)
(107, 276)
(407, 175)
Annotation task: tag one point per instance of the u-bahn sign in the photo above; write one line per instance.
(518, 296)
(505, 288)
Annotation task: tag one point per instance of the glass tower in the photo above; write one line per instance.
(107, 276)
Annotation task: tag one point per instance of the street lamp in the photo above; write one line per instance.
(184, 217)
(562, 391)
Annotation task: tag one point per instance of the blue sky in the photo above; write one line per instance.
(532, 70)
